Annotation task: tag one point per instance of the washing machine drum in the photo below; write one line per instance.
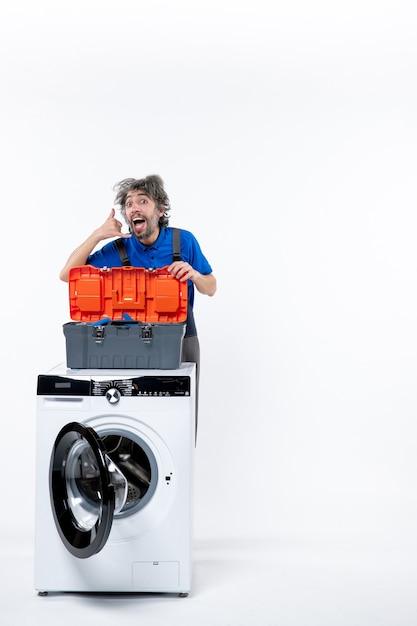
(87, 489)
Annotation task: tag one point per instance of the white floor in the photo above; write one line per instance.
(298, 581)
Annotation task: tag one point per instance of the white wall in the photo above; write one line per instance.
(286, 135)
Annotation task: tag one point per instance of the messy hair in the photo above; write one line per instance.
(153, 186)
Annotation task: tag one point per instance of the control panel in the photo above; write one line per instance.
(139, 386)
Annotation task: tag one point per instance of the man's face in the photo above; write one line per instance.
(142, 216)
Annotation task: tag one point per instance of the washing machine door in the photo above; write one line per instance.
(82, 491)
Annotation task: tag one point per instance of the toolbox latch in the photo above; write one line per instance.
(98, 333)
(146, 333)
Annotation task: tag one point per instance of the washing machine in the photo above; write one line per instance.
(114, 480)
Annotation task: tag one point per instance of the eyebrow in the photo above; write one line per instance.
(139, 193)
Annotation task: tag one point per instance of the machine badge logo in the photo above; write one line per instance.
(113, 395)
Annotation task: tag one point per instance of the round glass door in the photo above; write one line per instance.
(86, 488)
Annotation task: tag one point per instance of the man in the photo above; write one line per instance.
(145, 207)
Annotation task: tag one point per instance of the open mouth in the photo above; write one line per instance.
(138, 220)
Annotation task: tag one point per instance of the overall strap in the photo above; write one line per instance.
(121, 249)
(176, 244)
(190, 329)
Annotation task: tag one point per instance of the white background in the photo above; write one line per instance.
(286, 135)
